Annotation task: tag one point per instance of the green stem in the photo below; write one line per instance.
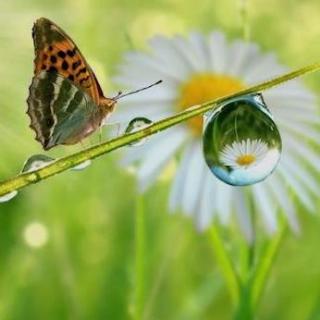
(244, 13)
(260, 275)
(139, 259)
(253, 287)
(66, 271)
(246, 252)
(62, 164)
(225, 264)
(244, 310)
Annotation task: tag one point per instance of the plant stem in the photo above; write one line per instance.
(265, 263)
(253, 287)
(244, 14)
(139, 259)
(225, 264)
(62, 164)
(244, 311)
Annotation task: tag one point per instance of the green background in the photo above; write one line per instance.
(86, 270)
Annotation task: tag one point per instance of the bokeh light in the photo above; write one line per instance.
(35, 234)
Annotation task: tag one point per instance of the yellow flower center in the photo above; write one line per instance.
(204, 87)
(246, 159)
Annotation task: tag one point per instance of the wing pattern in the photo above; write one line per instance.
(55, 51)
(60, 112)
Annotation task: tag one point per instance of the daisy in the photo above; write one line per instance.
(250, 161)
(200, 68)
(245, 154)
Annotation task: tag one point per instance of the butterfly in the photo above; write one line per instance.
(65, 102)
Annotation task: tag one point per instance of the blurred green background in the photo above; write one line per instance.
(85, 270)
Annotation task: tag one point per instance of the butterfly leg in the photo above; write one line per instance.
(118, 128)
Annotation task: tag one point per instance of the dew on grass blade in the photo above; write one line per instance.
(135, 125)
(35, 162)
(8, 196)
(83, 165)
(241, 142)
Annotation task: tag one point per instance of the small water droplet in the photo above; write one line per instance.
(135, 125)
(82, 165)
(241, 142)
(8, 196)
(35, 162)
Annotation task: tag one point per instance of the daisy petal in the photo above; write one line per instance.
(243, 214)
(194, 176)
(281, 195)
(168, 55)
(179, 180)
(291, 91)
(297, 169)
(201, 51)
(299, 150)
(218, 52)
(241, 55)
(152, 111)
(265, 205)
(266, 65)
(300, 129)
(148, 69)
(157, 158)
(138, 152)
(223, 199)
(304, 196)
(207, 203)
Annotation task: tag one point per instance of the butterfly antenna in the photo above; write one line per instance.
(120, 95)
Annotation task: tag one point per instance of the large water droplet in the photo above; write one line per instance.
(35, 162)
(8, 196)
(241, 142)
(135, 125)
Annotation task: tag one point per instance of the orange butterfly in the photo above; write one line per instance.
(66, 102)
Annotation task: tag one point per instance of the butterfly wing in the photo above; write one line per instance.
(56, 52)
(60, 112)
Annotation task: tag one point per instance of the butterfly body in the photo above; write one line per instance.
(66, 102)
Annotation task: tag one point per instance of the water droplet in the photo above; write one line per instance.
(135, 125)
(82, 165)
(35, 162)
(8, 196)
(241, 142)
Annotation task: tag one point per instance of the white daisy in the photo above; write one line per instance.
(250, 161)
(245, 154)
(198, 69)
